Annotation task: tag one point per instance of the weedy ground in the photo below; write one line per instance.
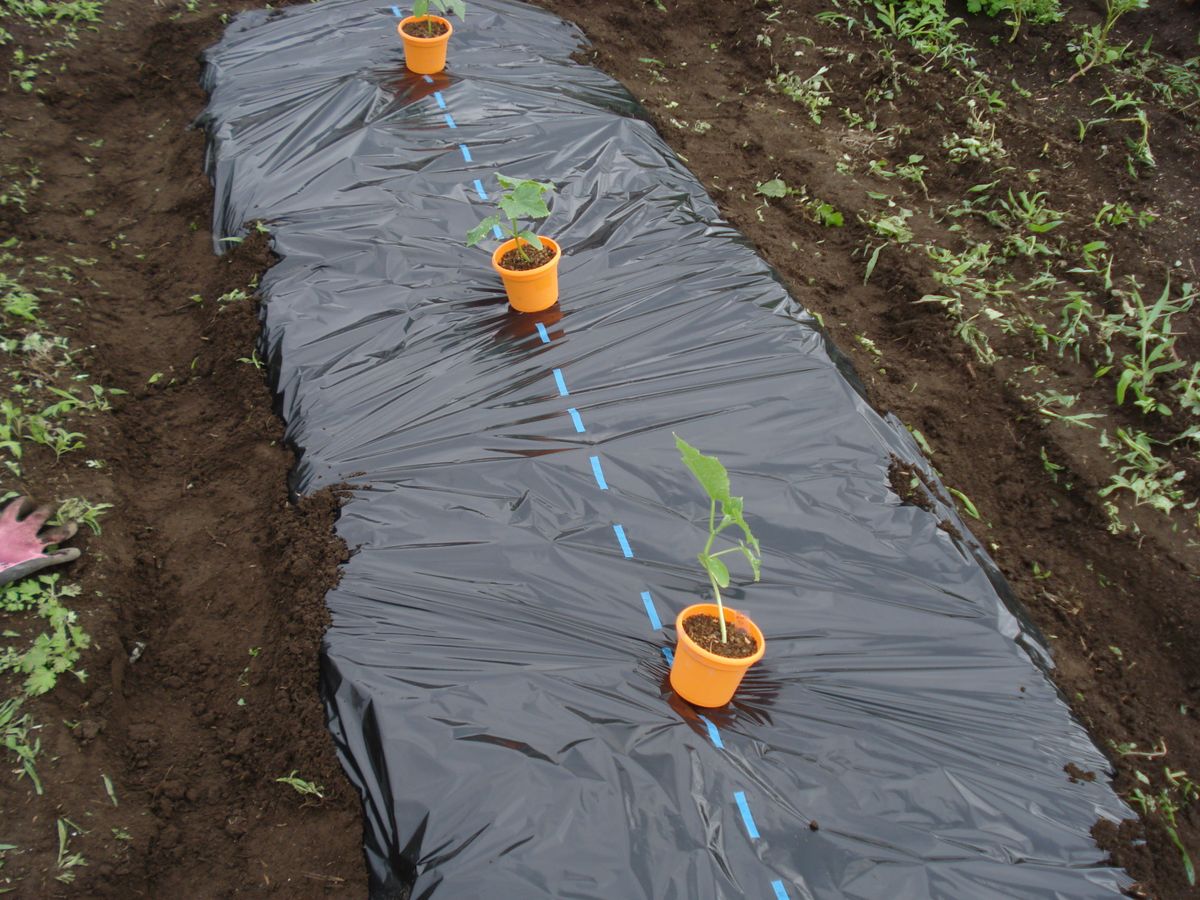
(159, 723)
(993, 207)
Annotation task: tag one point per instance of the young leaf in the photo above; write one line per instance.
(40, 681)
(732, 514)
(525, 201)
(1123, 385)
(707, 469)
(752, 558)
(776, 188)
(717, 569)
(532, 239)
(482, 230)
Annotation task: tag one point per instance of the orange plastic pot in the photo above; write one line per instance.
(533, 289)
(425, 56)
(706, 679)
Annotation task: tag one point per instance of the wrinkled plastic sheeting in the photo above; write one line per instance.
(494, 680)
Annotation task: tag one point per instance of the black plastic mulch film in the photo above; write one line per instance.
(525, 533)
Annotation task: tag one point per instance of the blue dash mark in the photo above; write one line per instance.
(396, 12)
(623, 541)
(441, 101)
(751, 828)
(465, 152)
(562, 385)
(713, 734)
(542, 333)
(574, 413)
(668, 656)
(780, 891)
(450, 120)
(599, 473)
(655, 621)
(479, 189)
(497, 232)
(428, 80)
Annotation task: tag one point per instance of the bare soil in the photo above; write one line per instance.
(706, 632)
(427, 28)
(701, 70)
(518, 263)
(204, 593)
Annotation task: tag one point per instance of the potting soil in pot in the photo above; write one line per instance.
(496, 671)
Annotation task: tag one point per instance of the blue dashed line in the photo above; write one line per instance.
(751, 828)
(599, 473)
(655, 621)
(623, 541)
(396, 12)
(652, 613)
(713, 734)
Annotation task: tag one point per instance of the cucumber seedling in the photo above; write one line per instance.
(520, 199)
(715, 480)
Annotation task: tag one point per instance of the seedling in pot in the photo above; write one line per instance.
(709, 664)
(526, 263)
(715, 481)
(519, 200)
(431, 28)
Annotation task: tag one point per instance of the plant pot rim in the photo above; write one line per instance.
(444, 36)
(525, 274)
(731, 616)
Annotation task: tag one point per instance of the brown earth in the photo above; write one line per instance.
(518, 263)
(204, 594)
(1120, 612)
(706, 632)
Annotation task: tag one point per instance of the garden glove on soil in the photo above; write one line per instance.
(23, 541)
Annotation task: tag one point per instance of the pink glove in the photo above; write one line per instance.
(23, 542)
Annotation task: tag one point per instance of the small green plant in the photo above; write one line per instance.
(302, 787)
(715, 481)
(1115, 215)
(252, 360)
(1178, 792)
(81, 510)
(1039, 12)
(1149, 478)
(1154, 338)
(445, 7)
(1093, 47)
(813, 92)
(981, 145)
(67, 861)
(15, 738)
(891, 228)
(519, 200)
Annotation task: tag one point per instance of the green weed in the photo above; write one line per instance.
(813, 92)
(302, 787)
